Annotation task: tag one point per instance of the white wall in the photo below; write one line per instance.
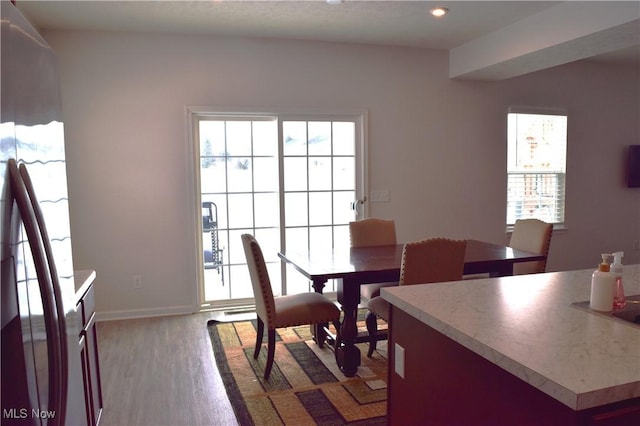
(436, 144)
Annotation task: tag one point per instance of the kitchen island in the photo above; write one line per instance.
(512, 350)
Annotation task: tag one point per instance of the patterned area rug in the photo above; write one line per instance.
(305, 387)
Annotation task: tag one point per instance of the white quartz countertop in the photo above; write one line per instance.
(527, 325)
(82, 280)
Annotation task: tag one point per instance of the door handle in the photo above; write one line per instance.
(356, 204)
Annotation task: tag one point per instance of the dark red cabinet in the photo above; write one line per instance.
(90, 358)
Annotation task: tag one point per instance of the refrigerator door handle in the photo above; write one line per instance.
(57, 399)
(59, 303)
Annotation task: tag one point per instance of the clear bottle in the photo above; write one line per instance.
(602, 287)
(619, 301)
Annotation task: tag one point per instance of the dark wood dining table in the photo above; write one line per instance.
(352, 267)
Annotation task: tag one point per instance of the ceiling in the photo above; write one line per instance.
(390, 22)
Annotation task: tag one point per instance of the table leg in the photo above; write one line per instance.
(347, 354)
(317, 330)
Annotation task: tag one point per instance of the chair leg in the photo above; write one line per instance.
(321, 336)
(259, 333)
(271, 349)
(372, 328)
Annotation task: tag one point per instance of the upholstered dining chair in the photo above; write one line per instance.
(534, 236)
(372, 232)
(282, 311)
(427, 261)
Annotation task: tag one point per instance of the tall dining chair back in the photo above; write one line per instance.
(282, 311)
(423, 262)
(372, 232)
(431, 261)
(534, 236)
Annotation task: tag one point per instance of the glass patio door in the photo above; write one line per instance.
(319, 188)
(290, 181)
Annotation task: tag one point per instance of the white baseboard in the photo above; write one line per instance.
(145, 313)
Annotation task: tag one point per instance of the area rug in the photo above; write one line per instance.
(305, 387)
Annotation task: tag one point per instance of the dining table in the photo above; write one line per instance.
(354, 266)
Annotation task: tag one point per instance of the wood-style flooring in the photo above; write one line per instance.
(161, 371)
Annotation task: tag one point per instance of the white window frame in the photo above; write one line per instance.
(557, 175)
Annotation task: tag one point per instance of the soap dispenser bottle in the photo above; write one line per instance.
(616, 269)
(602, 287)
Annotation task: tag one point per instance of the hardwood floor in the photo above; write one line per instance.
(161, 371)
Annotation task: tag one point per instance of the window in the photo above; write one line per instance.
(536, 165)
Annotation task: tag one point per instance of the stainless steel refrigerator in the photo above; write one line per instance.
(41, 365)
